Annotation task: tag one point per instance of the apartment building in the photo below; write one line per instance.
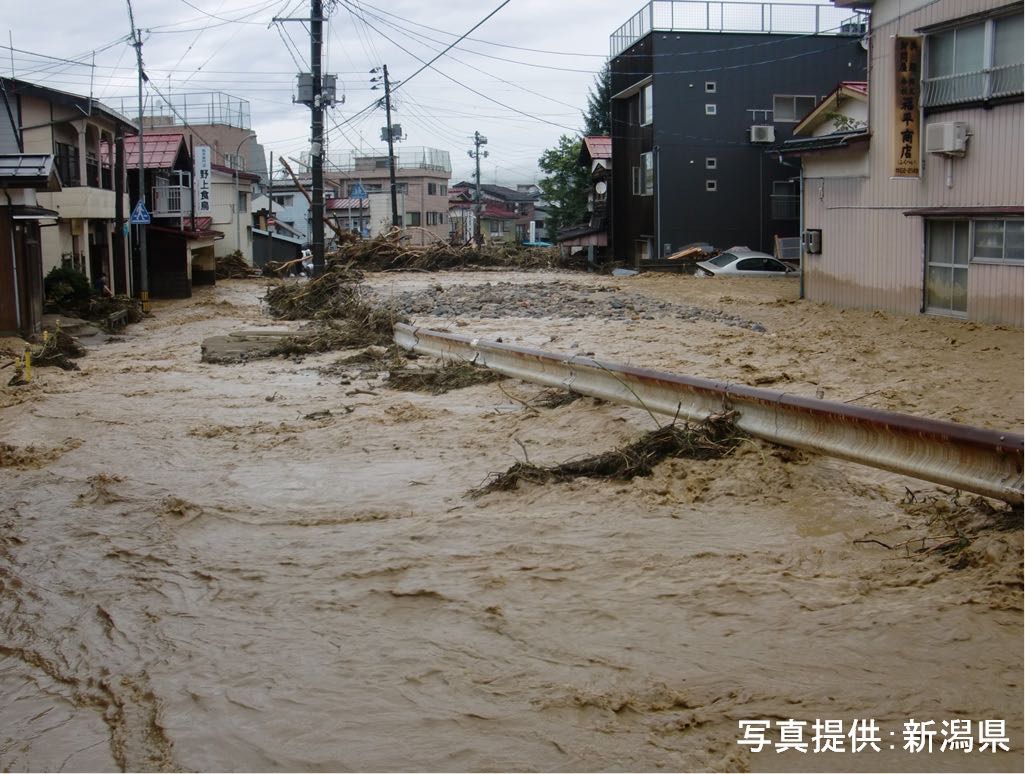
(700, 91)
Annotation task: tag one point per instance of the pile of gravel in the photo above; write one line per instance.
(549, 299)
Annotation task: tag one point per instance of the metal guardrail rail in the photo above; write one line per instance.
(970, 459)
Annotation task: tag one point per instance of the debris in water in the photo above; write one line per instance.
(234, 266)
(335, 301)
(441, 379)
(713, 438)
(57, 350)
(31, 456)
(391, 252)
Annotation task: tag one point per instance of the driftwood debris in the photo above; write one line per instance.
(685, 253)
(714, 438)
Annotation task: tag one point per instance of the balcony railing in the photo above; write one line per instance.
(170, 201)
(976, 86)
(785, 207)
(702, 16)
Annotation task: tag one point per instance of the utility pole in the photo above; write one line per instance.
(478, 140)
(317, 139)
(391, 151)
(143, 261)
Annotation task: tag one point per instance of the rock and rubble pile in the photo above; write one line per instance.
(549, 299)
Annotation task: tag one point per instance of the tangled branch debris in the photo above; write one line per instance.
(390, 252)
(234, 266)
(58, 351)
(714, 438)
(334, 301)
(950, 526)
(441, 379)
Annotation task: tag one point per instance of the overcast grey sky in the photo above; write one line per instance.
(231, 46)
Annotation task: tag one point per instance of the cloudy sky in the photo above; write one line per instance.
(521, 78)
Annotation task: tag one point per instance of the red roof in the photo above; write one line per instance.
(599, 147)
(161, 150)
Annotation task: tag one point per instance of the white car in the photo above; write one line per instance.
(741, 262)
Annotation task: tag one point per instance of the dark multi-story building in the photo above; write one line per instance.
(701, 92)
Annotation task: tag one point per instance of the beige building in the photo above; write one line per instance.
(421, 175)
(80, 134)
(912, 194)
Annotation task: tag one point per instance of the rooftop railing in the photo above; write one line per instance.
(370, 159)
(701, 16)
(206, 108)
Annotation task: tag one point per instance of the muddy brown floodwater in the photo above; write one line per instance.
(195, 574)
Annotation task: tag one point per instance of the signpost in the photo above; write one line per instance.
(140, 215)
(357, 191)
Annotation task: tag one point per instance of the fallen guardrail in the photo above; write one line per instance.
(971, 459)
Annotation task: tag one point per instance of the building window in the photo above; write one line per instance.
(947, 250)
(975, 62)
(647, 106)
(710, 109)
(644, 176)
(709, 87)
(66, 160)
(442, 190)
(791, 108)
(785, 201)
(711, 162)
(432, 189)
(711, 185)
(412, 218)
(997, 241)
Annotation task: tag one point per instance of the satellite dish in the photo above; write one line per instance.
(600, 187)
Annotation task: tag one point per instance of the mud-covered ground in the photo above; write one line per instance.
(275, 565)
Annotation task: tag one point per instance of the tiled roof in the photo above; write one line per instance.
(161, 150)
(599, 147)
(26, 166)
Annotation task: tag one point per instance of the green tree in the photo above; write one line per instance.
(565, 186)
(597, 119)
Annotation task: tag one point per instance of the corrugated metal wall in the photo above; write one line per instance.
(872, 253)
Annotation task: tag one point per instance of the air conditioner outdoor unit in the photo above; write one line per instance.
(949, 139)
(763, 134)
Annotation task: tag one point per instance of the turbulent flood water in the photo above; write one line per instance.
(201, 568)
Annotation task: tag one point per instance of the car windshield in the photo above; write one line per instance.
(723, 259)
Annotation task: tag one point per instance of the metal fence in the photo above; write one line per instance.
(701, 16)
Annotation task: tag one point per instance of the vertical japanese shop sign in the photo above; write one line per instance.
(906, 122)
(201, 189)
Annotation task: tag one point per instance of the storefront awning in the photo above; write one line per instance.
(27, 212)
